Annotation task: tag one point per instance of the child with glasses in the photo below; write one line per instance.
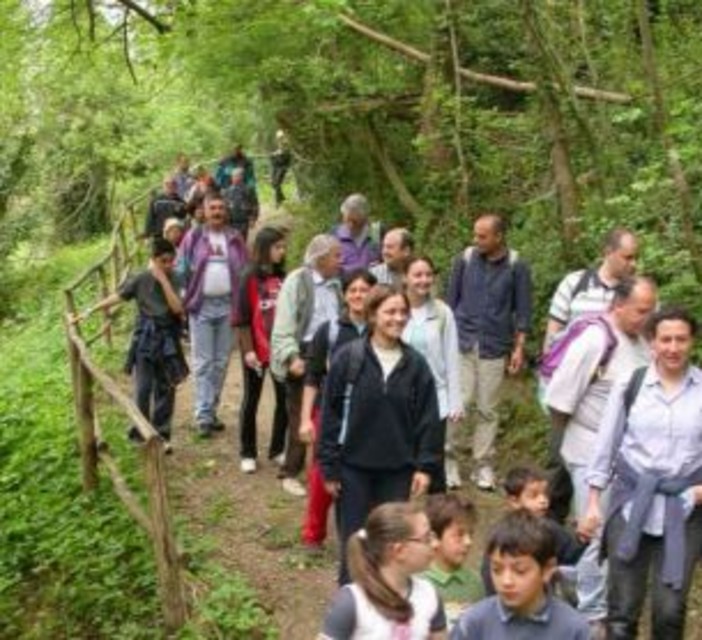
(386, 599)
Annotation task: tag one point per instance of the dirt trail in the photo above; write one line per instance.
(254, 526)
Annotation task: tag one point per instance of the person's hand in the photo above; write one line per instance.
(156, 271)
(420, 484)
(516, 361)
(456, 416)
(307, 431)
(333, 488)
(251, 360)
(297, 367)
(590, 522)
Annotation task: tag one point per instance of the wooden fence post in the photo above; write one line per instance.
(167, 563)
(105, 290)
(84, 405)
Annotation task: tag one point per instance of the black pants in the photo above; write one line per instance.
(295, 449)
(253, 385)
(154, 394)
(627, 583)
(559, 483)
(437, 483)
(361, 491)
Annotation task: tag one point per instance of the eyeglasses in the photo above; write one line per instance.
(427, 538)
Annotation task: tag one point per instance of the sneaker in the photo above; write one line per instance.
(484, 478)
(248, 465)
(167, 448)
(294, 487)
(453, 475)
(217, 425)
(279, 459)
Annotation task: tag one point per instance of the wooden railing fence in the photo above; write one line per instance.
(104, 276)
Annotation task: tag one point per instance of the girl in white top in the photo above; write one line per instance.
(386, 601)
(431, 330)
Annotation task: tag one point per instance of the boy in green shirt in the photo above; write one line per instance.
(452, 521)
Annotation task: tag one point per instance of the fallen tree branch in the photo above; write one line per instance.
(378, 150)
(500, 82)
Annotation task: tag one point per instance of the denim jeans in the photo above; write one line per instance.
(211, 337)
(628, 582)
(591, 575)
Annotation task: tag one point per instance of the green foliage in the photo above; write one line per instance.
(72, 566)
(228, 610)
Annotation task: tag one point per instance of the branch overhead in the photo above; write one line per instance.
(500, 82)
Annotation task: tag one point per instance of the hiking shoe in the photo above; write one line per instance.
(279, 459)
(453, 475)
(248, 465)
(217, 425)
(294, 487)
(204, 430)
(484, 478)
(134, 436)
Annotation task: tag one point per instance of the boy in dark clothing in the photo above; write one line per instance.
(526, 487)
(522, 556)
(155, 356)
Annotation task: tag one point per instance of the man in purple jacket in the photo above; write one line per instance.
(210, 259)
(358, 249)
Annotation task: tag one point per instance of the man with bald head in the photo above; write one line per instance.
(490, 294)
(577, 396)
(397, 248)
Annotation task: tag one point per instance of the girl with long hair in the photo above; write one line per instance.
(386, 600)
(431, 330)
(260, 284)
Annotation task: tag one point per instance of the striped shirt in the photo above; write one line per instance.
(580, 292)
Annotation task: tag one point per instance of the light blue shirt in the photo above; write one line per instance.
(326, 304)
(663, 435)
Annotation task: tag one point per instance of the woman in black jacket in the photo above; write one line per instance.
(380, 419)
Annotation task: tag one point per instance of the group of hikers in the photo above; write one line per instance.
(375, 377)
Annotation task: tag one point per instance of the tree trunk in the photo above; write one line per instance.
(660, 117)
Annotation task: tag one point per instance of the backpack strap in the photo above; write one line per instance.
(357, 353)
(583, 283)
(633, 388)
(332, 335)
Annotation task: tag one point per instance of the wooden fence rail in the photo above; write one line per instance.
(100, 278)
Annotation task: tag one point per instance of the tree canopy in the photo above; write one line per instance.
(569, 117)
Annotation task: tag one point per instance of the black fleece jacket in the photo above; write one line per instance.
(393, 424)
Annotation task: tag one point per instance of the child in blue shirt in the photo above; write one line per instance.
(522, 553)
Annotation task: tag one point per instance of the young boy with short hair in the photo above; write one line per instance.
(452, 521)
(522, 557)
(526, 487)
(155, 356)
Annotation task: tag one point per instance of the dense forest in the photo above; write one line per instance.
(570, 117)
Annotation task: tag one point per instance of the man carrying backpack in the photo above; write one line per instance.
(609, 348)
(490, 294)
(582, 293)
(589, 291)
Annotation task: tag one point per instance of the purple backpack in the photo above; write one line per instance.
(556, 352)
